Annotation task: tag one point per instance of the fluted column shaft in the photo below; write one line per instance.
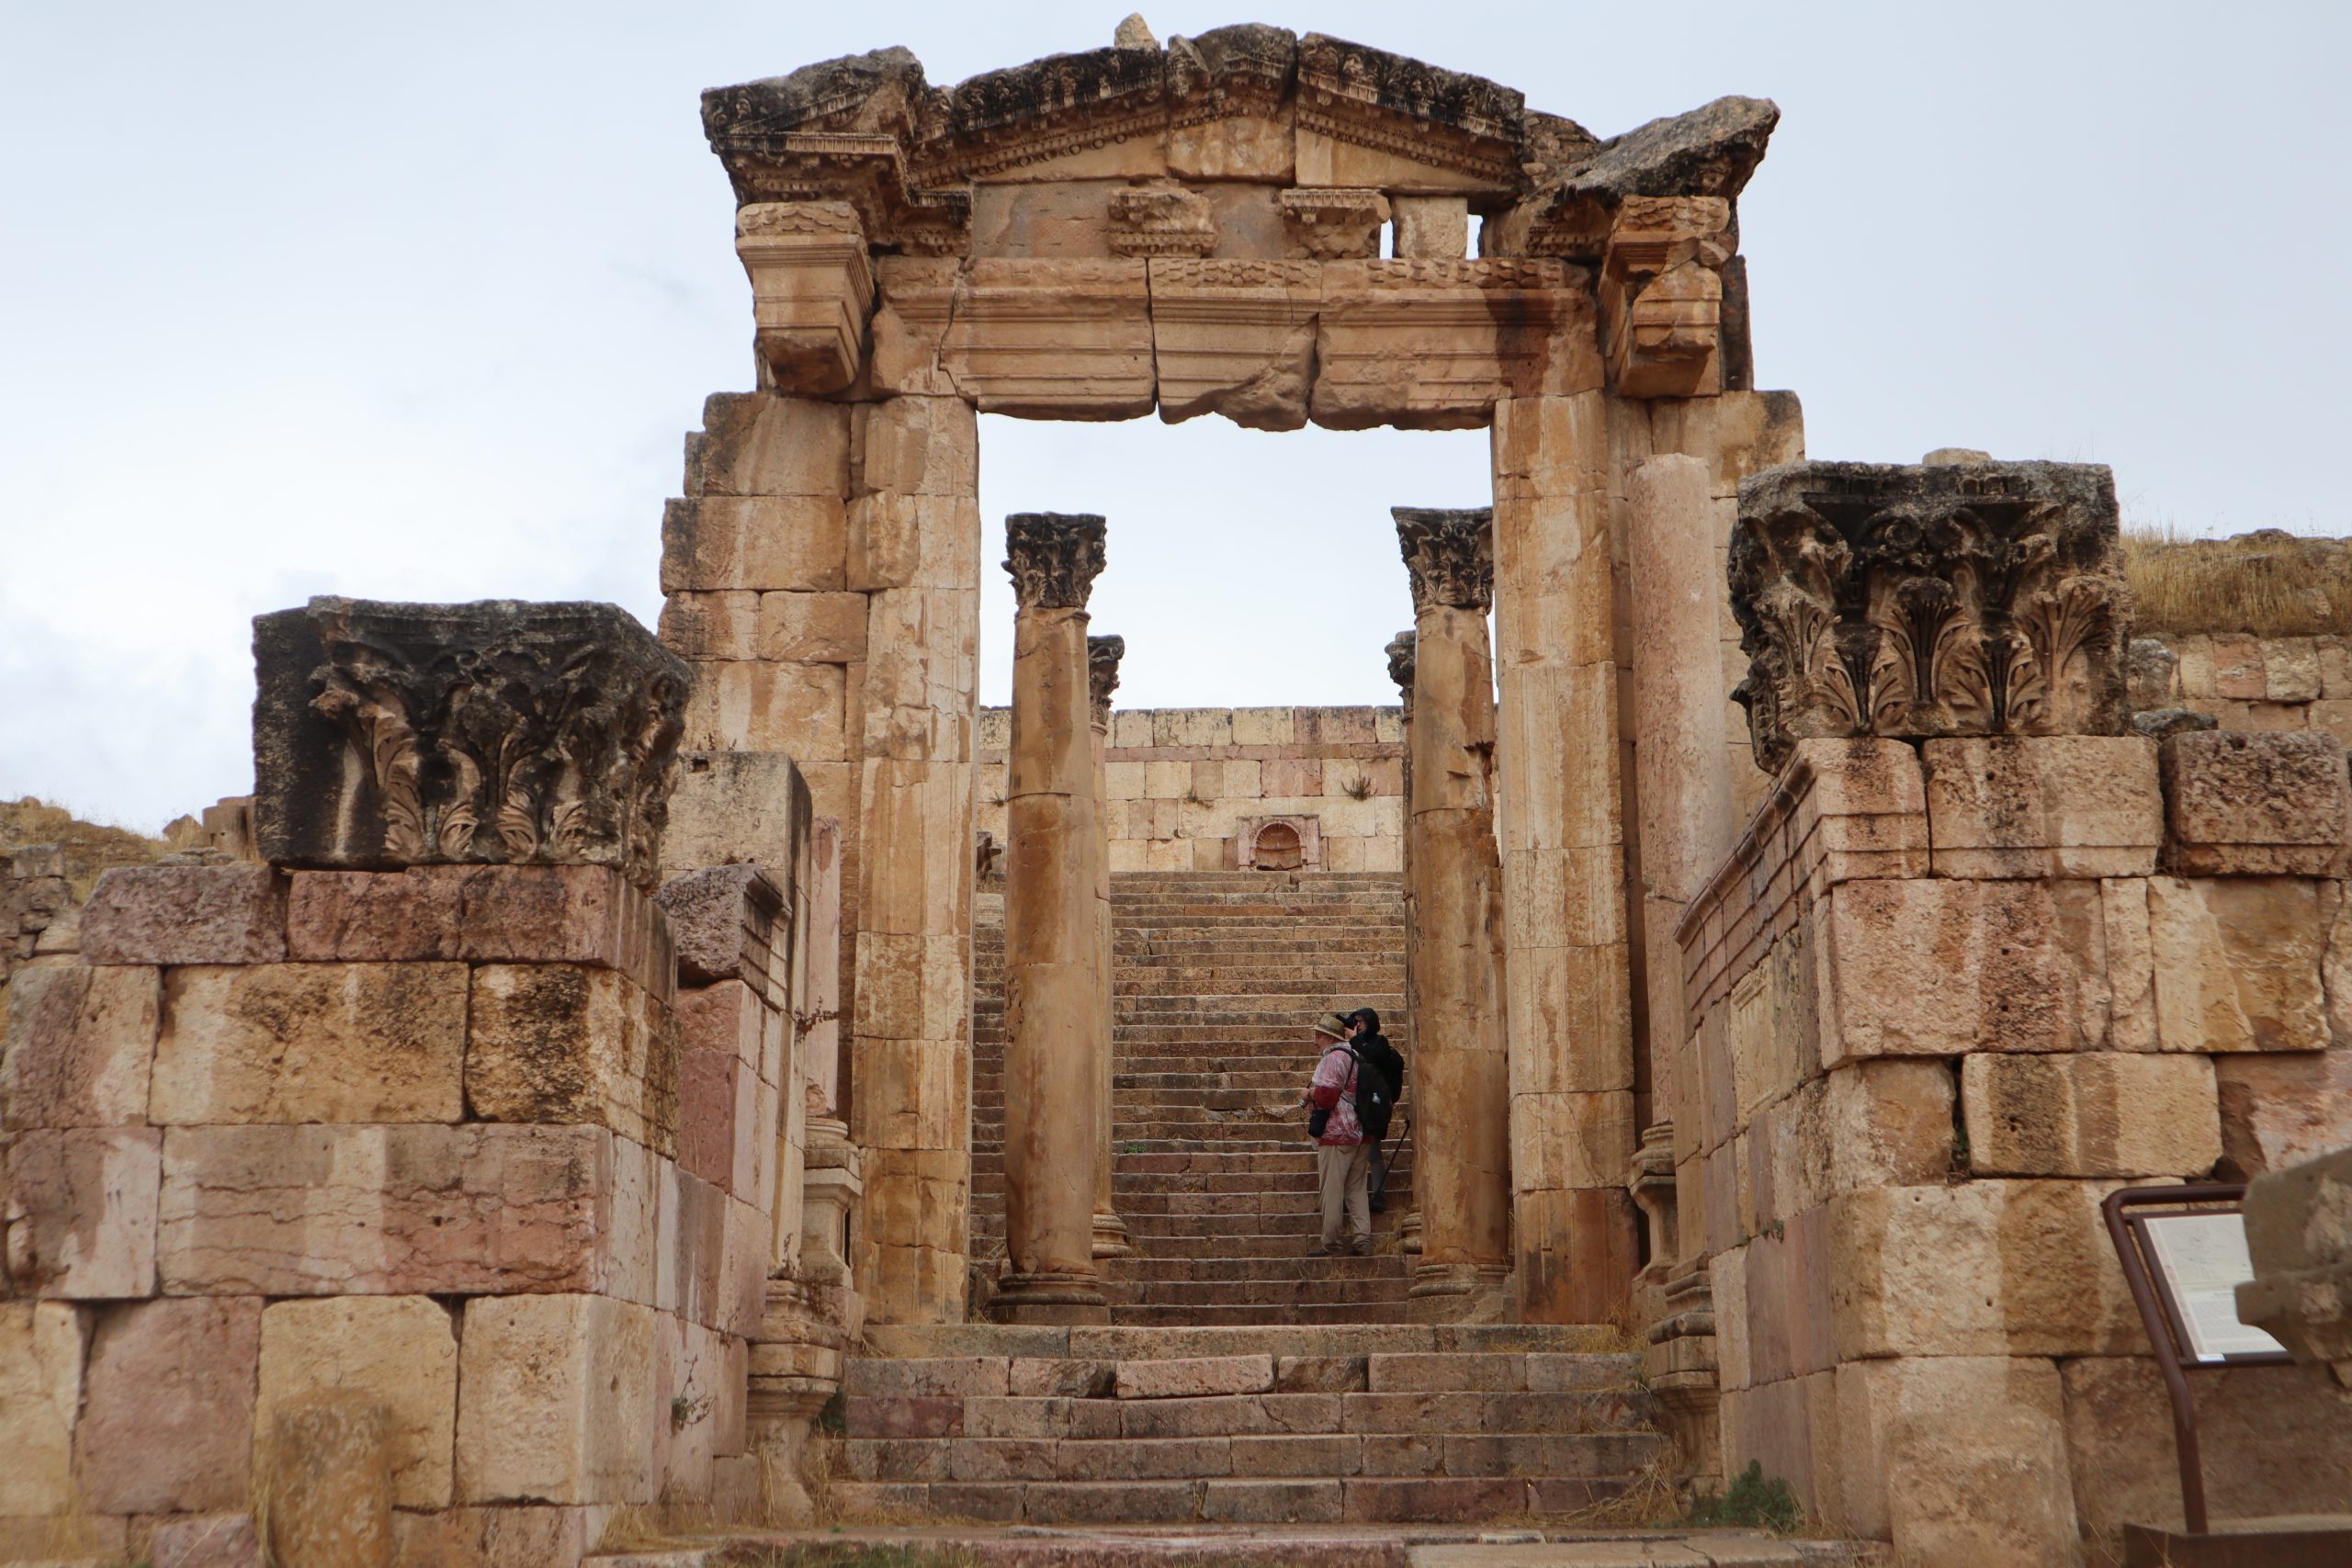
(1053, 976)
(1463, 1165)
(1102, 656)
(1400, 670)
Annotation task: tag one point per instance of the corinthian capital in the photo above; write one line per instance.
(1052, 557)
(1102, 656)
(1400, 650)
(1450, 553)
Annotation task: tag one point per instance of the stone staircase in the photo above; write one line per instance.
(1388, 1424)
(1216, 978)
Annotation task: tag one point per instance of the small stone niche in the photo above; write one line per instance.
(1278, 843)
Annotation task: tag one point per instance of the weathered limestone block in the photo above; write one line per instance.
(918, 295)
(800, 709)
(1052, 339)
(78, 1208)
(2298, 1234)
(326, 1467)
(1431, 227)
(2256, 805)
(2098, 1114)
(1662, 293)
(705, 626)
(1235, 338)
(759, 543)
(167, 1414)
(1333, 223)
(1886, 1121)
(2280, 1110)
(1434, 344)
(757, 444)
(483, 914)
(812, 290)
(725, 921)
(79, 1046)
(1960, 1459)
(734, 806)
(389, 735)
(394, 1210)
(2237, 964)
(2273, 1442)
(1847, 577)
(205, 1541)
(1940, 967)
(514, 1536)
(312, 1043)
(186, 914)
(41, 1399)
(399, 1351)
(562, 1044)
(2041, 1278)
(2043, 806)
(813, 628)
(555, 1401)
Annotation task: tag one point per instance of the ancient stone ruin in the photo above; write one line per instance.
(620, 1098)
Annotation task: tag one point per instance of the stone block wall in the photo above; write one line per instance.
(1187, 784)
(1945, 996)
(405, 1158)
(2247, 682)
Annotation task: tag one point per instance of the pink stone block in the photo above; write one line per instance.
(527, 914)
(1196, 1377)
(167, 1420)
(186, 914)
(80, 1047)
(81, 1213)
(206, 1541)
(707, 1120)
(404, 1210)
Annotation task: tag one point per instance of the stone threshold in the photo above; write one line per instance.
(1257, 1546)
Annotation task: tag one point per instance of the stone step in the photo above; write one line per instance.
(1005, 1342)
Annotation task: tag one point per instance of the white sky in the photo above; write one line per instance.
(417, 302)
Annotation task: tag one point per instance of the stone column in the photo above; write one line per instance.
(1682, 774)
(1052, 964)
(1400, 670)
(1567, 968)
(1464, 1161)
(1102, 656)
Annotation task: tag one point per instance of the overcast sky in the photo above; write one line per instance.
(417, 301)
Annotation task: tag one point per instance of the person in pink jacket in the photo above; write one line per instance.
(1343, 1159)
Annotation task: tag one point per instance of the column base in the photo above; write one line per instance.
(1051, 1300)
(1111, 1238)
(1459, 1293)
(1409, 1234)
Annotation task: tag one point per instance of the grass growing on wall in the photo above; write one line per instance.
(2269, 583)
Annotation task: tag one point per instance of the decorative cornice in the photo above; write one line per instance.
(1053, 557)
(1161, 221)
(1401, 649)
(1942, 600)
(1451, 554)
(1102, 656)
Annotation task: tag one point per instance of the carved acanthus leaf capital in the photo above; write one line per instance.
(389, 735)
(1053, 557)
(1451, 554)
(1942, 600)
(1401, 648)
(1102, 656)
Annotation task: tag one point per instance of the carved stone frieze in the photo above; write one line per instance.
(1102, 656)
(1451, 554)
(1161, 221)
(1053, 557)
(1404, 106)
(387, 735)
(1333, 225)
(1875, 599)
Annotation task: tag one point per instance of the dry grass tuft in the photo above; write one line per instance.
(2268, 583)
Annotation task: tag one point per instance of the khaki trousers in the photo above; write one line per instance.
(1346, 1173)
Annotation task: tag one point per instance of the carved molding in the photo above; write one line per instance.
(1882, 600)
(387, 735)
(1102, 656)
(1450, 553)
(1661, 294)
(1161, 221)
(1053, 557)
(1333, 224)
(1400, 650)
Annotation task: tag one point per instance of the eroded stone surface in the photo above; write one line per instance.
(399, 1351)
(79, 1046)
(168, 1419)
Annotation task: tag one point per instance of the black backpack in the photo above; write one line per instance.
(1375, 1095)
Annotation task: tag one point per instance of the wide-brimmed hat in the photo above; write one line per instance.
(1334, 1025)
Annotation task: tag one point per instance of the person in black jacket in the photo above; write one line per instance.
(1373, 1046)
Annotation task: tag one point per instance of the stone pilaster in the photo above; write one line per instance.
(1102, 656)
(1464, 1161)
(1400, 670)
(1053, 977)
(1567, 964)
(1681, 767)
